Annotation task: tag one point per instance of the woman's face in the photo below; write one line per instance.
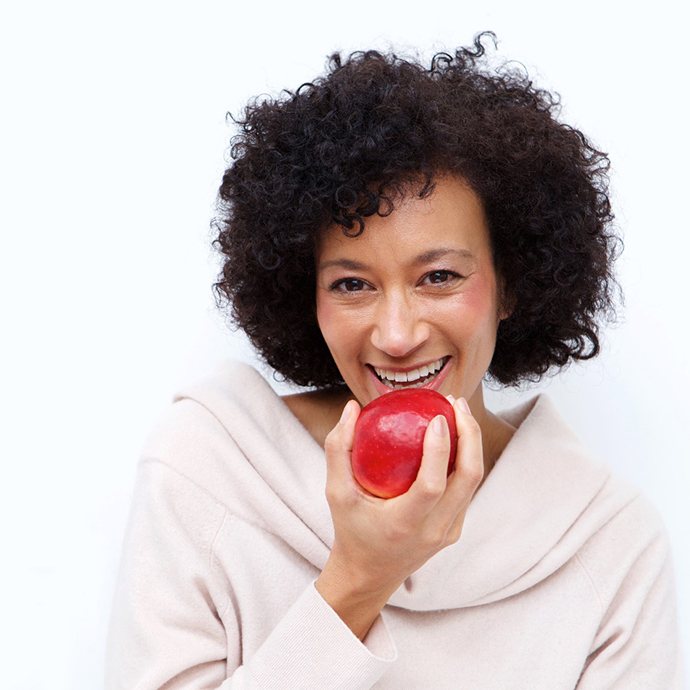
(413, 301)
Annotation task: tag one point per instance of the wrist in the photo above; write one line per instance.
(353, 598)
(362, 583)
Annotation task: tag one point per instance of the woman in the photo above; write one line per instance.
(389, 226)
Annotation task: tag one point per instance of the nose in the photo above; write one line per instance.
(398, 328)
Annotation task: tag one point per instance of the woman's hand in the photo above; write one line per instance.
(380, 542)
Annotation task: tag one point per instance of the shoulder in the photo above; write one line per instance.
(631, 547)
(584, 508)
(618, 543)
(629, 565)
(234, 438)
(211, 406)
(216, 422)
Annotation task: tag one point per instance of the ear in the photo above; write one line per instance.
(507, 312)
(507, 302)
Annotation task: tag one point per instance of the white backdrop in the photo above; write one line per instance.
(112, 141)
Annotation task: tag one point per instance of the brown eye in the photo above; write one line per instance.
(348, 285)
(441, 277)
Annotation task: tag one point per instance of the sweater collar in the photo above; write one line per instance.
(535, 509)
(522, 524)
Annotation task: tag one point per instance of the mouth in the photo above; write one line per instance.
(426, 376)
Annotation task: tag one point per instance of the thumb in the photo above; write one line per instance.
(338, 446)
(431, 478)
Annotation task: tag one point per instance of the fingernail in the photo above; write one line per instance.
(450, 398)
(465, 406)
(437, 425)
(346, 412)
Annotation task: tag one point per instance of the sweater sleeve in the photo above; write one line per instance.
(166, 628)
(637, 646)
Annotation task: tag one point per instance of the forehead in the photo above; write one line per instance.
(452, 217)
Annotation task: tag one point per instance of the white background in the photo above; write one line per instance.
(112, 142)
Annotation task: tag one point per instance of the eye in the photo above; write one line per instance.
(441, 277)
(348, 285)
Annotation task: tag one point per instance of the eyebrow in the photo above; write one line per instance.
(420, 259)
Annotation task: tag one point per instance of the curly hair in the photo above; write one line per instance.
(350, 143)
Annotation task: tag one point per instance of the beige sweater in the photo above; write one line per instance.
(562, 578)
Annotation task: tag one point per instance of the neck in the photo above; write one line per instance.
(319, 412)
(496, 433)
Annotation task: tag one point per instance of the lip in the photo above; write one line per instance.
(434, 384)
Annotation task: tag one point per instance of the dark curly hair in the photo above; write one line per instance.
(350, 143)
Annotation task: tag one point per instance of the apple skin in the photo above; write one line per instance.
(389, 439)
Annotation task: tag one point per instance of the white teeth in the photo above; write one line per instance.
(410, 376)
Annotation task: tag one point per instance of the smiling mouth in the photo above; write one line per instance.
(415, 378)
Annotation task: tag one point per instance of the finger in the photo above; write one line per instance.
(469, 462)
(430, 483)
(338, 446)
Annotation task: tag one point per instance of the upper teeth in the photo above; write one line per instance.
(414, 375)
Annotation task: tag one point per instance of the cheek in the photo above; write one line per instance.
(324, 316)
(480, 300)
(332, 323)
(471, 314)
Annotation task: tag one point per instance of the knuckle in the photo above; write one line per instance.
(430, 488)
(475, 474)
(436, 539)
(332, 492)
(398, 533)
(331, 444)
(332, 495)
(473, 427)
(454, 535)
(472, 478)
(337, 495)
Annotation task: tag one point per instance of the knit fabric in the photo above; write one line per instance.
(562, 577)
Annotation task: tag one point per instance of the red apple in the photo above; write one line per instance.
(389, 439)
